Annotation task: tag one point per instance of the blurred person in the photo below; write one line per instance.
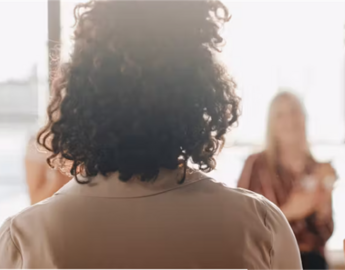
(288, 175)
(42, 180)
(142, 96)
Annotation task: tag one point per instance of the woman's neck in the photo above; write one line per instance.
(293, 158)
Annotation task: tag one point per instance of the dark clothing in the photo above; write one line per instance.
(313, 260)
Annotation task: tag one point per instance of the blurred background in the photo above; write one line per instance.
(270, 45)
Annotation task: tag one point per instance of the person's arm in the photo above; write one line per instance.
(299, 205)
(36, 167)
(324, 220)
(325, 229)
(10, 256)
(285, 253)
(36, 179)
(40, 188)
(324, 212)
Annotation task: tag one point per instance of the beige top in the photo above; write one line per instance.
(160, 224)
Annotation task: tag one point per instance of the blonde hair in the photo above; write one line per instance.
(271, 141)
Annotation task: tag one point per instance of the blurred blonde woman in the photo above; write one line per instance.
(287, 174)
(42, 181)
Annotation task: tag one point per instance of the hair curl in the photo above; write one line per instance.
(142, 91)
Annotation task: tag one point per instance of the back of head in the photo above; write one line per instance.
(142, 90)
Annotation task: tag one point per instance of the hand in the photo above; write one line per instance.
(326, 175)
(323, 170)
(300, 204)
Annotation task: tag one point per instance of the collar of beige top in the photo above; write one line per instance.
(112, 187)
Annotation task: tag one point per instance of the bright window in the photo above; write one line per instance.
(292, 45)
(23, 92)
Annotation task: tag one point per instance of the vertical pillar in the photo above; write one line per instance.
(54, 32)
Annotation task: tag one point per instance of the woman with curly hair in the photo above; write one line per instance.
(136, 116)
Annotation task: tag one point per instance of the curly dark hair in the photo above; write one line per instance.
(142, 91)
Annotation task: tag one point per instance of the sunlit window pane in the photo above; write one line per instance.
(67, 26)
(294, 45)
(23, 92)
